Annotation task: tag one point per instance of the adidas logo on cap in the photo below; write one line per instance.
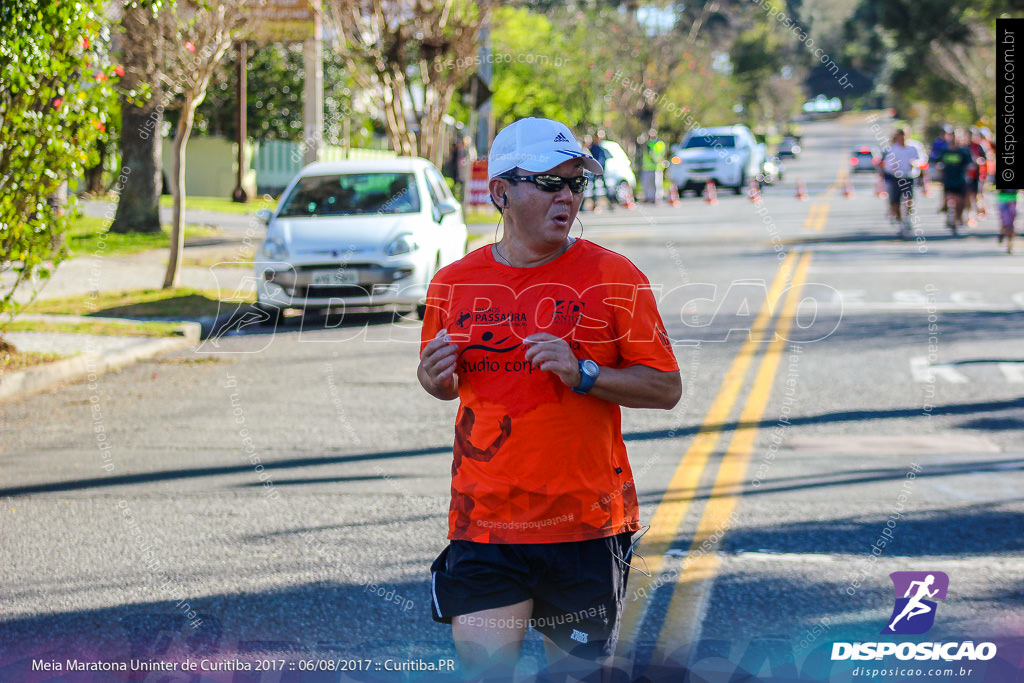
(561, 138)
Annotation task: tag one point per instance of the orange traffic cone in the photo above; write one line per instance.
(673, 195)
(710, 193)
(754, 191)
(801, 190)
(629, 202)
(848, 188)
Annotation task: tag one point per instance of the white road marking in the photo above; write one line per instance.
(967, 298)
(848, 297)
(923, 371)
(918, 300)
(912, 296)
(930, 308)
(1013, 372)
(959, 493)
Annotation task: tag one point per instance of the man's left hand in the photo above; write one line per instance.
(552, 354)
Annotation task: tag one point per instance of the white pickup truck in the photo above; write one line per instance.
(729, 156)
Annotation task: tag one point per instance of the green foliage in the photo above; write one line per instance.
(934, 52)
(91, 235)
(706, 95)
(274, 94)
(53, 106)
(625, 68)
(756, 56)
(539, 70)
(182, 302)
(765, 57)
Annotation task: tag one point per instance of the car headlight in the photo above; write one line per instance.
(275, 250)
(403, 244)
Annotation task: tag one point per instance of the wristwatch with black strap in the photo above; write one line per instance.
(589, 370)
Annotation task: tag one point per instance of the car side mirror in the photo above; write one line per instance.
(445, 207)
(264, 215)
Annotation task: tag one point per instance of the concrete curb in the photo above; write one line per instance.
(16, 385)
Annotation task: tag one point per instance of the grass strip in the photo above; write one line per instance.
(182, 302)
(98, 327)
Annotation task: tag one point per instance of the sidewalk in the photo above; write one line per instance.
(88, 354)
(145, 270)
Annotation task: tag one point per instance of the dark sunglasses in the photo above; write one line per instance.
(552, 183)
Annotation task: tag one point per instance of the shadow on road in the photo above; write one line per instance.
(878, 236)
(983, 529)
(357, 620)
(662, 434)
(246, 319)
(190, 473)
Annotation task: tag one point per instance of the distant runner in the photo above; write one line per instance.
(899, 166)
(1007, 200)
(955, 162)
(976, 176)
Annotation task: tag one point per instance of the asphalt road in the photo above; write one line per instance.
(279, 495)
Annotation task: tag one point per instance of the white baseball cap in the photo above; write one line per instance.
(536, 145)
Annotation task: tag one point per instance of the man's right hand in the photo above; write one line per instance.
(437, 367)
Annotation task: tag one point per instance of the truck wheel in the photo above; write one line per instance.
(743, 183)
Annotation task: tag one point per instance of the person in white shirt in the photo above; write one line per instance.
(900, 165)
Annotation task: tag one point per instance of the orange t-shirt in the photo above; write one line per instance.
(535, 462)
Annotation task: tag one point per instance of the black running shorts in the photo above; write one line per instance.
(899, 188)
(577, 588)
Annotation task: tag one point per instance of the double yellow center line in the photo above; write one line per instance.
(816, 217)
(691, 585)
(815, 220)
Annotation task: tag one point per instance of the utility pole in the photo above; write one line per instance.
(239, 195)
(313, 95)
(481, 122)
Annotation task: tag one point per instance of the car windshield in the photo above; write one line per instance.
(353, 194)
(710, 141)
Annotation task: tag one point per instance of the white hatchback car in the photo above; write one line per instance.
(618, 172)
(358, 233)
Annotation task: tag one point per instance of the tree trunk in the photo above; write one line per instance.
(138, 209)
(188, 112)
(94, 174)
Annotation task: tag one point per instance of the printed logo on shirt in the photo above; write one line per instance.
(498, 344)
(663, 337)
(579, 636)
(494, 315)
(568, 312)
(463, 319)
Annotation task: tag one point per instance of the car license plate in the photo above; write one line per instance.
(338, 276)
